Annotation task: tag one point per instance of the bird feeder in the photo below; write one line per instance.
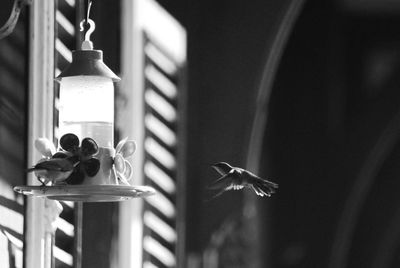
(87, 95)
(87, 104)
(87, 98)
(86, 166)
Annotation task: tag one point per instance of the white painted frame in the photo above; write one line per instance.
(38, 234)
(139, 16)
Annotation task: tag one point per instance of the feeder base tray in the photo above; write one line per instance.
(87, 193)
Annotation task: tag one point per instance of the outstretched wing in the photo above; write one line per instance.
(230, 181)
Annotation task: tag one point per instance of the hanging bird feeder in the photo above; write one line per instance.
(86, 167)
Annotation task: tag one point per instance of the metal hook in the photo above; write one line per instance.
(87, 44)
(92, 27)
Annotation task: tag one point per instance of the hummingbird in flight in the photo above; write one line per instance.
(236, 178)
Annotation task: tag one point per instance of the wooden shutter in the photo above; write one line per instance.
(161, 120)
(152, 113)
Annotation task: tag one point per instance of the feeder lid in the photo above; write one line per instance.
(88, 62)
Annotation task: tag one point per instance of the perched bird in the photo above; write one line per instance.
(235, 178)
(55, 169)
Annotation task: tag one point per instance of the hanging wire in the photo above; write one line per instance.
(85, 23)
(88, 6)
(87, 26)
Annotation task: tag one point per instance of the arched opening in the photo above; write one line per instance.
(330, 138)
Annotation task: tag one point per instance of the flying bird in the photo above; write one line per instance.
(55, 170)
(235, 178)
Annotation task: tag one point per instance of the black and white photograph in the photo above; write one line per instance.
(199, 134)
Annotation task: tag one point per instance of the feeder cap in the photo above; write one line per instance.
(87, 62)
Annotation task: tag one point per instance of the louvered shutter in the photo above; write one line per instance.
(153, 88)
(161, 121)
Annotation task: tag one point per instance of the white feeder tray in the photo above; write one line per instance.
(87, 193)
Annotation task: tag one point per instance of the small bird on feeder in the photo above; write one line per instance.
(54, 170)
(235, 178)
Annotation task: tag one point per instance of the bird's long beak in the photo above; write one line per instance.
(219, 170)
(222, 168)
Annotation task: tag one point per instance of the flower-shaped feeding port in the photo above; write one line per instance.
(123, 168)
(87, 164)
(83, 171)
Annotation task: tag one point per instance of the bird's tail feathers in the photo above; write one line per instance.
(269, 184)
(266, 188)
(259, 191)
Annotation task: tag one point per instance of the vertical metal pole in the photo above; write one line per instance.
(78, 210)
